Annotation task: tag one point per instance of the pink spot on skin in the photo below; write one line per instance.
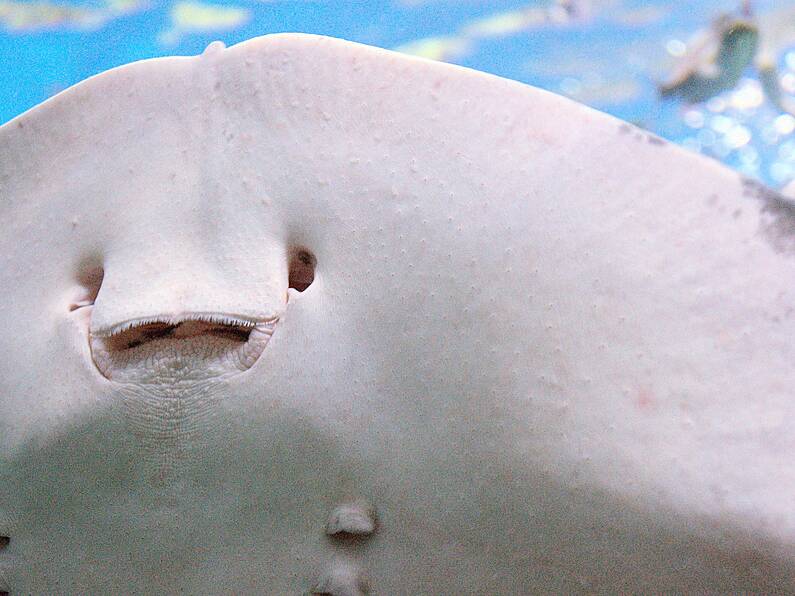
(644, 399)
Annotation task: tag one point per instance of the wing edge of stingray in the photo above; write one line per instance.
(308, 43)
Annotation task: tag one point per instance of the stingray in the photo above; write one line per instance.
(306, 316)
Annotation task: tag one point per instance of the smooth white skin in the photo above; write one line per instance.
(552, 352)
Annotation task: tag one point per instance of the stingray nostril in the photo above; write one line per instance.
(89, 277)
(302, 269)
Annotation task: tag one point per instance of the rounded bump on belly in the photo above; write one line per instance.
(342, 578)
(354, 518)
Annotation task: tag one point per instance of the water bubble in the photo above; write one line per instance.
(694, 118)
(716, 104)
(676, 47)
(784, 124)
(737, 136)
(769, 135)
(786, 151)
(749, 156)
(748, 95)
(721, 149)
(788, 82)
(721, 124)
(706, 137)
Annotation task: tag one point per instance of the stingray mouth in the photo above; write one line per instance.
(197, 346)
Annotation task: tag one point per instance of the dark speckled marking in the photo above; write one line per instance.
(655, 140)
(778, 215)
(640, 135)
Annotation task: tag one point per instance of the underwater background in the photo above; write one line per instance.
(715, 76)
